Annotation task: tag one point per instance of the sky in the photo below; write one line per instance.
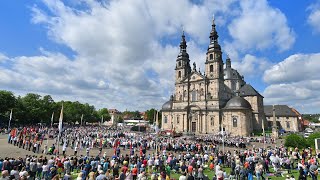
(122, 53)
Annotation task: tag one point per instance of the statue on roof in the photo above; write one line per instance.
(194, 66)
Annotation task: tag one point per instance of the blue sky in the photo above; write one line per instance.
(121, 53)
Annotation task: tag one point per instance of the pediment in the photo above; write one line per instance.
(194, 76)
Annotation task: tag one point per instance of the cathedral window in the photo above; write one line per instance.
(212, 121)
(211, 56)
(179, 74)
(165, 119)
(235, 122)
(179, 64)
(211, 68)
(194, 95)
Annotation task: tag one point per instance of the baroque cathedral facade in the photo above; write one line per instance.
(212, 101)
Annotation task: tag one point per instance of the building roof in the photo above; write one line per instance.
(238, 103)
(248, 90)
(230, 73)
(168, 105)
(280, 110)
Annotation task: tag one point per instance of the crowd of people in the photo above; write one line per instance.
(99, 153)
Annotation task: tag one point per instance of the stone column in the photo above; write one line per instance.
(275, 133)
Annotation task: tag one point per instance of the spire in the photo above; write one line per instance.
(183, 47)
(214, 45)
(213, 34)
(183, 43)
(228, 62)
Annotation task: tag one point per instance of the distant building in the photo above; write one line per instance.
(115, 115)
(286, 118)
(303, 122)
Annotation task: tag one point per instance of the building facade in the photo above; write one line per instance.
(212, 101)
(286, 118)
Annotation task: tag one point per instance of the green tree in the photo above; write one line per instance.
(7, 101)
(105, 113)
(311, 138)
(294, 140)
(33, 108)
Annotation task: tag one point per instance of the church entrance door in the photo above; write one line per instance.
(193, 127)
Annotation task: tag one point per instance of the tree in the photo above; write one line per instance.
(294, 140)
(311, 138)
(33, 109)
(105, 113)
(150, 115)
(7, 101)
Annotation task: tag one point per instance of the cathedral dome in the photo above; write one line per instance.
(238, 103)
(167, 105)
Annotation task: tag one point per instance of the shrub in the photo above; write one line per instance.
(311, 138)
(294, 140)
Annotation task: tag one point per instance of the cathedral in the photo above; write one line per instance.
(212, 101)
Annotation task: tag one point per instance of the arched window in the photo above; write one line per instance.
(212, 121)
(193, 95)
(165, 119)
(211, 68)
(235, 122)
(211, 56)
(179, 74)
(179, 64)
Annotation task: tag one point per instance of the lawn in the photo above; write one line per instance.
(210, 174)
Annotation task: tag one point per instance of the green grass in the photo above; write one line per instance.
(210, 174)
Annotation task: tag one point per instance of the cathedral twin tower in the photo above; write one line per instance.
(219, 99)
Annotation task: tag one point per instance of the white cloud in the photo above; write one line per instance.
(258, 27)
(295, 68)
(314, 16)
(3, 58)
(123, 52)
(121, 59)
(251, 66)
(295, 81)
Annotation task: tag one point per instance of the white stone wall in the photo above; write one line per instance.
(293, 123)
(244, 122)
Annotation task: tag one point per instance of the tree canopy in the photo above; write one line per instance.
(34, 108)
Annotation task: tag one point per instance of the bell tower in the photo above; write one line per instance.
(214, 68)
(214, 63)
(183, 62)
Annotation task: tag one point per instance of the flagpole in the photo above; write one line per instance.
(157, 132)
(51, 126)
(10, 118)
(264, 135)
(60, 127)
(52, 118)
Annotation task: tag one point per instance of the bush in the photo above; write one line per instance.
(294, 140)
(311, 138)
